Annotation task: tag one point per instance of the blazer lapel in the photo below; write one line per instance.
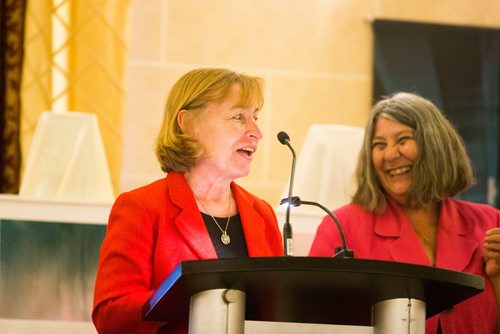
(253, 223)
(455, 246)
(406, 246)
(189, 222)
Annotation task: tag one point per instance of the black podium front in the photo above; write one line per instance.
(310, 289)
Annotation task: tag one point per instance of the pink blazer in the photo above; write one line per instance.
(152, 229)
(390, 237)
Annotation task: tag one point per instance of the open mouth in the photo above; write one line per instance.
(399, 171)
(248, 151)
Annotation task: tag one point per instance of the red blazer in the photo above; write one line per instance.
(150, 231)
(390, 237)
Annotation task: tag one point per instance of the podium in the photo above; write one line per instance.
(225, 292)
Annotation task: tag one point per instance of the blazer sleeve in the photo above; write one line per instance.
(123, 282)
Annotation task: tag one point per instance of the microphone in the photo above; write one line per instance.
(284, 139)
(340, 252)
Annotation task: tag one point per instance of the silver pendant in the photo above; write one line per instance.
(225, 238)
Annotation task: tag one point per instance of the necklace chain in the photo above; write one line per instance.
(224, 236)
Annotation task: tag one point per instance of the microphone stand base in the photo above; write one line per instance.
(341, 253)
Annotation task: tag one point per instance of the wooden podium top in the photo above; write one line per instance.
(310, 289)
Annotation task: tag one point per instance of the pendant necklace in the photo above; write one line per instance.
(224, 236)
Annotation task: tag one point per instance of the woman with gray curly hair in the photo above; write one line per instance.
(411, 164)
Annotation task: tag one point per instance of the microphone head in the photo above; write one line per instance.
(283, 137)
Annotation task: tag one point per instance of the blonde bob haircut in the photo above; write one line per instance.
(177, 151)
(442, 167)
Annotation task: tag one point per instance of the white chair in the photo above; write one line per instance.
(324, 173)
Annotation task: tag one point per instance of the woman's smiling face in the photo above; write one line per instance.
(394, 152)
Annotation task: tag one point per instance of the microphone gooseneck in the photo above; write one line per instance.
(340, 252)
(284, 139)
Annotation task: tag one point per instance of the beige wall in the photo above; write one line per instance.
(315, 55)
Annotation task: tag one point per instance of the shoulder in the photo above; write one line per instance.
(351, 217)
(258, 204)
(355, 224)
(156, 191)
(353, 212)
(148, 190)
(143, 200)
(472, 209)
(152, 202)
(245, 195)
(469, 214)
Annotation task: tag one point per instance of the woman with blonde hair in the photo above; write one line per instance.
(207, 140)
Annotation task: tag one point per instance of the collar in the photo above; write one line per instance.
(455, 245)
(191, 226)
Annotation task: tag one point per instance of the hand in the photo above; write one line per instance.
(491, 253)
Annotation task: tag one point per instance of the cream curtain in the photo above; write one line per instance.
(96, 52)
